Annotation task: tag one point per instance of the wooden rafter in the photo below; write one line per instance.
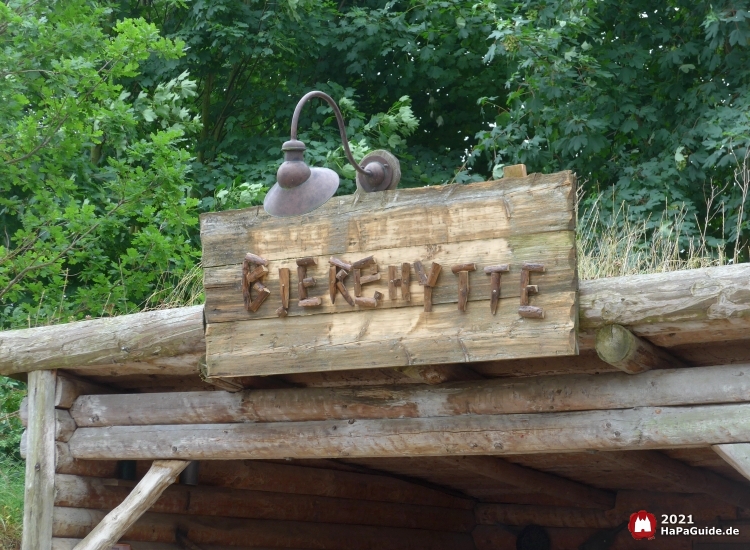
(533, 481)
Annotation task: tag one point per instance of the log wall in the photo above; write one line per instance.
(251, 504)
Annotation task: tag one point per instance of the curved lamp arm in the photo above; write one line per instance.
(339, 118)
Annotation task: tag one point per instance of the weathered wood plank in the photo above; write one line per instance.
(75, 522)
(620, 348)
(630, 429)
(392, 337)
(460, 228)
(224, 284)
(736, 455)
(533, 481)
(39, 484)
(413, 217)
(87, 492)
(128, 338)
(696, 386)
(117, 522)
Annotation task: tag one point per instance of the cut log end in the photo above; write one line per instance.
(624, 350)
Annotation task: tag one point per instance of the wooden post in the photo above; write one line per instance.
(620, 348)
(39, 487)
(161, 475)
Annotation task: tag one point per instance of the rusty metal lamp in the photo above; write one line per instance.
(300, 189)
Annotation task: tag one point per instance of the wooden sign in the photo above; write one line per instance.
(448, 274)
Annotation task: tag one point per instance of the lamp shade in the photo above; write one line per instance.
(284, 202)
(299, 189)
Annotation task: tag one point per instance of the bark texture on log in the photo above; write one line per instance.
(629, 429)
(39, 484)
(117, 522)
(128, 338)
(697, 305)
(700, 385)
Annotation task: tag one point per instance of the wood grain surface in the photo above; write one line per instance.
(515, 222)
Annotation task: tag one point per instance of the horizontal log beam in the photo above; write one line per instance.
(704, 385)
(679, 307)
(128, 338)
(668, 309)
(702, 508)
(76, 522)
(64, 423)
(287, 478)
(88, 492)
(533, 481)
(70, 387)
(629, 429)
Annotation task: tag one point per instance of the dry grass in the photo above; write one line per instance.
(621, 246)
(632, 248)
(188, 291)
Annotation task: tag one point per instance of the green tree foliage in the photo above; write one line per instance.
(94, 204)
(119, 121)
(648, 102)
(11, 393)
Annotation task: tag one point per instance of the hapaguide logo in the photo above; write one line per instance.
(642, 525)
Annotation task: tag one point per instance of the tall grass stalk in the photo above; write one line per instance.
(11, 502)
(624, 247)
